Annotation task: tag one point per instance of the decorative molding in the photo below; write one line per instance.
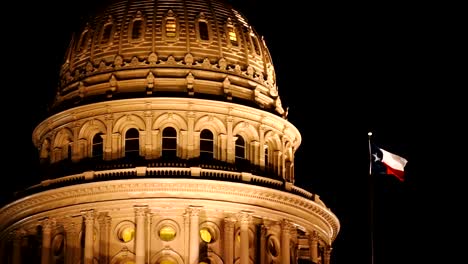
(170, 188)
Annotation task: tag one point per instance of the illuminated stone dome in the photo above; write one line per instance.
(167, 144)
(200, 49)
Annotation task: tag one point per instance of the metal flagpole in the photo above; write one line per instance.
(371, 199)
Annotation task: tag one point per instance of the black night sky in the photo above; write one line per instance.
(343, 69)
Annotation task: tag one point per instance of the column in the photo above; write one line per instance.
(313, 239)
(285, 238)
(17, 242)
(89, 236)
(148, 139)
(194, 247)
(104, 224)
(244, 219)
(190, 134)
(140, 219)
(72, 242)
(186, 235)
(327, 254)
(107, 138)
(229, 224)
(263, 244)
(46, 237)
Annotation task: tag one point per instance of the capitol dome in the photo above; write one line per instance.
(200, 49)
(166, 143)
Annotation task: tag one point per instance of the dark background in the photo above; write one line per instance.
(343, 69)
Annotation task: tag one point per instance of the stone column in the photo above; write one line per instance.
(104, 224)
(46, 237)
(263, 244)
(17, 243)
(72, 242)
(244, 219)
(313, 250)
(89, 236)
(190, 135)
(108, 138)
(285, 238)
(229, 224)
(186, 235)
(148, 139)
(140, 220)
(327, 254)
(194, 247)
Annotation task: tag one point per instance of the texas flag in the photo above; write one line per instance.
(384, 162)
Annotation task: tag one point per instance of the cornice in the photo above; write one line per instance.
(188, 189)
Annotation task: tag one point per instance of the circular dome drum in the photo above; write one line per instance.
(202, 49)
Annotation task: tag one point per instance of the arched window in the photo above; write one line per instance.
(137, 29)
(97, 148)
(169, 142)
(206, 144)
(132, 143)
(267, 158)
(255, 43)
(170, 27)
(232, 35)
(106, 34)
(240, 149)
(69, 151)
(203, 30)
(83, 42)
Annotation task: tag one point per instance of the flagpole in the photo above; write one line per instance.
(371, 199)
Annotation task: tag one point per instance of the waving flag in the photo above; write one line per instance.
(384, 162)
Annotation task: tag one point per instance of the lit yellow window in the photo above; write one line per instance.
(167, 233)
(232, 36)
(127, 234)
(171, 27)
(205, 235)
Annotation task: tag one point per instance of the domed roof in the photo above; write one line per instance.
(191, 48)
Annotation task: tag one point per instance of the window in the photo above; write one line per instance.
(167, 233)
(69, 151)
(171, 27)
(132, 142)
(106, 34)
(97, 148)
(83, 42)
(206, 144)
(240, 149)
(255, 44)
(169, 142)
(232, 36)
(125, 231)
(203, 30)
(267, 158)
(137, 29)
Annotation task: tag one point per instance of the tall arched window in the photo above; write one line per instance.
(240, 149)
(203, 30)
(137, 29)
(69, 151)
(206, 144)
(132, 143)
(170, 27)
(256, 45)
(169, 142)
(106, 33)
(232, 36)
(267, 158)
(83, 42)
(97, 148)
